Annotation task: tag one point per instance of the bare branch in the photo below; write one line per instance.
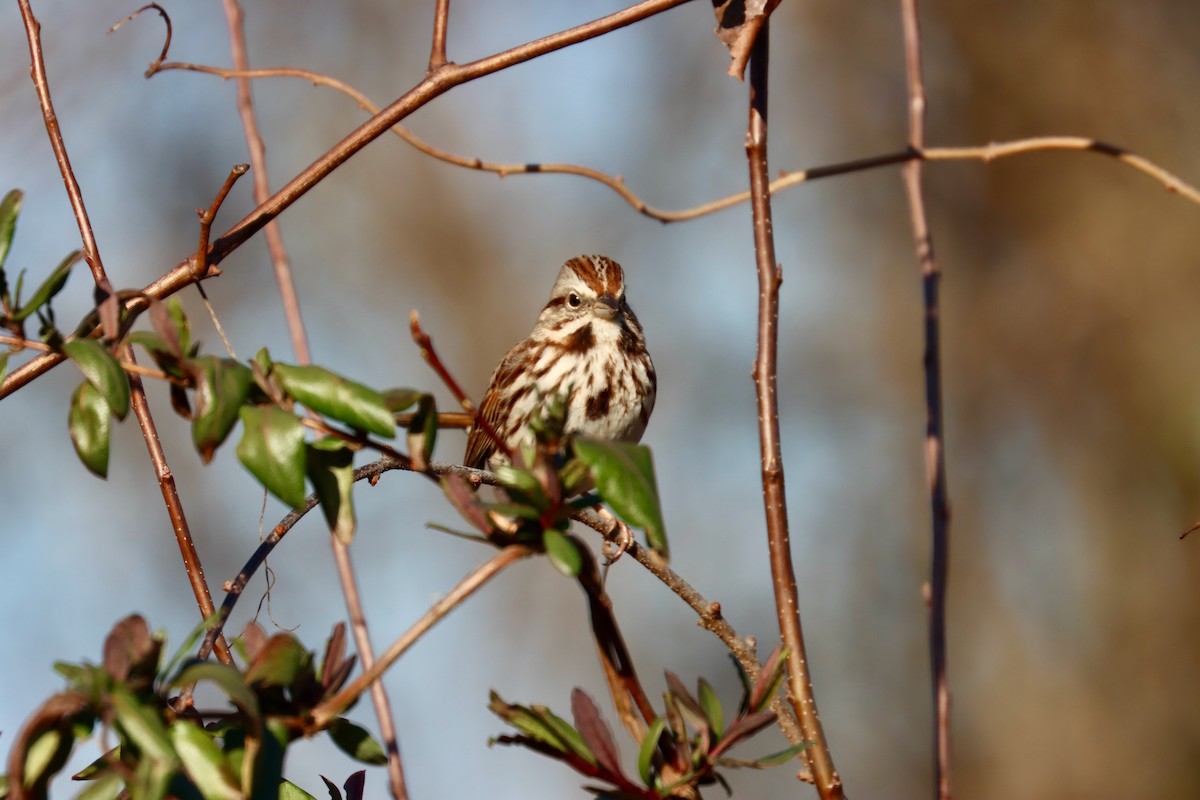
(170, 493)
(441, 23)
(334, 706)
(783, 576)
(934, 435)
(262, 185)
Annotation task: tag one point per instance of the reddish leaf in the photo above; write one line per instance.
(595, 732)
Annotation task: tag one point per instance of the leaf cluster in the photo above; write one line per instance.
(681, 750)
(13, 310)
(558, 476)
(165, 746)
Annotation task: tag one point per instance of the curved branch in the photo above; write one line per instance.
(434, 85)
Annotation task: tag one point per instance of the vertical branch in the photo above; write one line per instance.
(262, 189)
(106, 300)
(934, 436)
(37, 69)
(291, 309)
(362, 642)
(783, 576)
(179, 524)
(441, 21)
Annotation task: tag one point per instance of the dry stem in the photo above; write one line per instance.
(783, 576)
(934, 435)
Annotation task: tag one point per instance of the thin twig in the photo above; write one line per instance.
(708, 613)
(425, 343)
(934, 434)
(329, 709)
(441, 23)
(786, 180)
(783, 576)
(166, 18)
(170, 493)
(362, 642)
(202, 269)
(91, 252)
(170, 283)
(257, 148)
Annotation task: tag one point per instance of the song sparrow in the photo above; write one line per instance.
(587, 338)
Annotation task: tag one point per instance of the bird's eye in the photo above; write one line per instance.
(573, 300)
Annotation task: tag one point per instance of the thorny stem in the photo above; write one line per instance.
(783, 576)
(934, 433)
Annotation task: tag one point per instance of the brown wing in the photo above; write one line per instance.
(481, 446)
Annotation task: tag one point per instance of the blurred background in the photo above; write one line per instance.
(1070, 366)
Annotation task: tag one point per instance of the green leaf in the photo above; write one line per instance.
(399, 399)
(10, 209)
(422, 432)
(279, 663)
(98, 767)
(272, 448)
(769, 678)
(712, 708)
(356, 742)
(746, 687)
(645, 760)
(563, 552)
(105, 787)
(152, 779)
(222, 385)
(179, 321)
(267, 770)
(204, 762)
(290, 791)
(90, 422)
(3, 365)
(775, 759)
(102, 371)
(524, 481)
(43, 754)
(50, 287)
(336, 397)
(226, 678)
(331, 471)
(624, 475)
(143, 725)
(534, 722)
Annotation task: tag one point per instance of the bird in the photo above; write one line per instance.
(587, 341)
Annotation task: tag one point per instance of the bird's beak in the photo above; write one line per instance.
(605, 307)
